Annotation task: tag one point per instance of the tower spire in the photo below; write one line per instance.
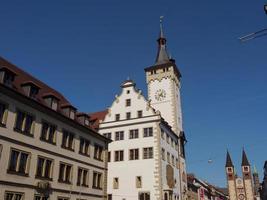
(245, 161)
(229, 162)
(162, 55)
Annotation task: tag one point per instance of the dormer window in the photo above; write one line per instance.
(83, 118)
(69, 111)
(30, 89)
(51, 101)
(7, 76)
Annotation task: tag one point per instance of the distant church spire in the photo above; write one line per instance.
(162, 55)
(229, 162)
(245, 161)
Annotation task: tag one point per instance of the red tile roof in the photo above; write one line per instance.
(22, 77)
(96, 117)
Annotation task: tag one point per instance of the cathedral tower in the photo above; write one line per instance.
(246, 170)
(256, 182)
(230, 174)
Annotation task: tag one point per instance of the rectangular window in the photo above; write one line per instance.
(97, 180)
(119, 135)
(98, 152)
(40, 197)
(3, 114)
(116, 183)
(163, 154)
(117, 117)
(118, 156)
(84, 147)
(173, 160)
(68, 140)
(133, 154)
(176, 146)
(168, 139)
(168, 157)
(65, 173)
(107, 135)
(48, 133)
(148, 132)
(44, 168)
(14, 195)
(172, 142)
(109, 196)
(24, 123)
(128, 102)
(148, 153)
(139, 113)
(128, 115)
(144, 196)
(162, 134)
(19, 162)
(82, 177)
(134, 134)
(138, 182)
(177, 163)
(109, 156)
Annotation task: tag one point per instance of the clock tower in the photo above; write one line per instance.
(163, 81)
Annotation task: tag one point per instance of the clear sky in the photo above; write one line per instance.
(86, 48)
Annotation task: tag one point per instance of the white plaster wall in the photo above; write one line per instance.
(128, 170)
(174, 152)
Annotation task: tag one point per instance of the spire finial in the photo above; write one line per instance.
(161, 25)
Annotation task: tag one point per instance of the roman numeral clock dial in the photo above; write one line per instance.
(160, 95)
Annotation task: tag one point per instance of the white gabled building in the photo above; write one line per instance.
(143, 157)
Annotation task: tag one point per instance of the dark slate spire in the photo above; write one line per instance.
(229, 162)
(162, 55)
(244, 159)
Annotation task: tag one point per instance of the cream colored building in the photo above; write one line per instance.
(147, 156)
(47, 149)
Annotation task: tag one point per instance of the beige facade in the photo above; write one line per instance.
(47, 153)
(239, 188)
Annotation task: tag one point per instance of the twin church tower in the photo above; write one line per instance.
(246, 188)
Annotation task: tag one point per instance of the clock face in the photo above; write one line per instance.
(160, 95)
(241, 197)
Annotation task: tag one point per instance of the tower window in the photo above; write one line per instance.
(128, 91)
(153, 71)
(128, 102)
(229, 170)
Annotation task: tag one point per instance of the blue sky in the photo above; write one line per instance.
(85, 49)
